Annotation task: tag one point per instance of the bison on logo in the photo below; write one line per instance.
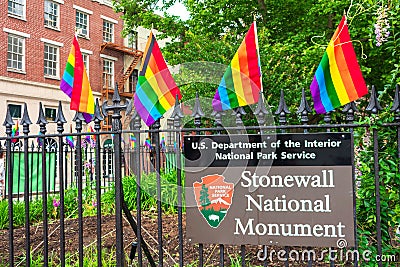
(213, 197)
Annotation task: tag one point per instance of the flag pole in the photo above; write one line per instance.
(258, 54)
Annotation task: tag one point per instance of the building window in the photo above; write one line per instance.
(50, 114)
(133, 81)
(170, 135)
(15, 110)
(85, 58)
(108, 73)
(82, 24)
(16, 8)
(108, 31)
(51, 14)
(133, 40)
(51, 65)
(16, 53)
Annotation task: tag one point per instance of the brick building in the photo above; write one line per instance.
(35, 41)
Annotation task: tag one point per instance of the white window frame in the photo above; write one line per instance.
(87, 13)
(52, 65)
(110, 84)
(15, 15)
(86, 53)
(15, 104)
(56, 45)
(22, 36)
(49, 119)
(56, 3)
(108, 31)
(85, 58)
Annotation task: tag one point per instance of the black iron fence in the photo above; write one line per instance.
(50, 167)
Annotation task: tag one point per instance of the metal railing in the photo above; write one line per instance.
(62, 167)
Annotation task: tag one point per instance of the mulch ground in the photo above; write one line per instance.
(211, 253)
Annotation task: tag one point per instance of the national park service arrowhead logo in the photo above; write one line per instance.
(213, 197)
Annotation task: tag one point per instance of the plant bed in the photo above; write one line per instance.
(149, 233)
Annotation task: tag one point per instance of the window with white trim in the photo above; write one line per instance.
(133, 39)
(108, 73)
(15, 111)
(52, 14)
(108, 31)
(82, 24)
(85, 58)
(133, 79)
(50, 113)
(17, 8)
(51, 61)
(16, 53)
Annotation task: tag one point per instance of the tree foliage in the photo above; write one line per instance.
(292, 39)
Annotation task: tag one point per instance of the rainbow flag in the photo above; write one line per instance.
(90, 138)
(132, 140)
(15, 132)
(75, 82)
(241, 83)
(162, 143)
(147, 143)
(39, 139)
(70, 141)
(156, 89)
(338, 79)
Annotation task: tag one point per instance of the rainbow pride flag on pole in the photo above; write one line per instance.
(156, 89)
(338, 79)
(75, 82)
(70, 141)
(15, 132)
(132, 140)
(241, 83)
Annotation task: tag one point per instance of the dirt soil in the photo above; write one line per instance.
(211, 253)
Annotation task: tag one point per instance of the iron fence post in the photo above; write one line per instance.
(97, 119)
(349, 109)
(136, 125)
(197, 115)
(116, 109)
(8, 123)
(26, 121)
(282, 111)
(374, 107)
(79, 170)
(60, 120)
(42, 123)
(177, 115)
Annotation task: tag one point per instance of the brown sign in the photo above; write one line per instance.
(276, 205)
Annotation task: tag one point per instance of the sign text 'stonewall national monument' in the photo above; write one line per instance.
(283, 189)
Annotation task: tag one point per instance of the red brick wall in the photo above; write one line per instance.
(34, 48)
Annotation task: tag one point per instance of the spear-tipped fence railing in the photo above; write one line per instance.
(44, 166)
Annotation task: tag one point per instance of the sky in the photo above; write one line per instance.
(178, 9)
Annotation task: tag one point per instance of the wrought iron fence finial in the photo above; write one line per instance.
(60, 118)
(396, 103)
(304, 108)
(8, 122)
(282, 110)
(25, 121)
(97, 116)
(373, 104)
(78, 119)
(42, 119)
(261, 111)
(349, 109)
